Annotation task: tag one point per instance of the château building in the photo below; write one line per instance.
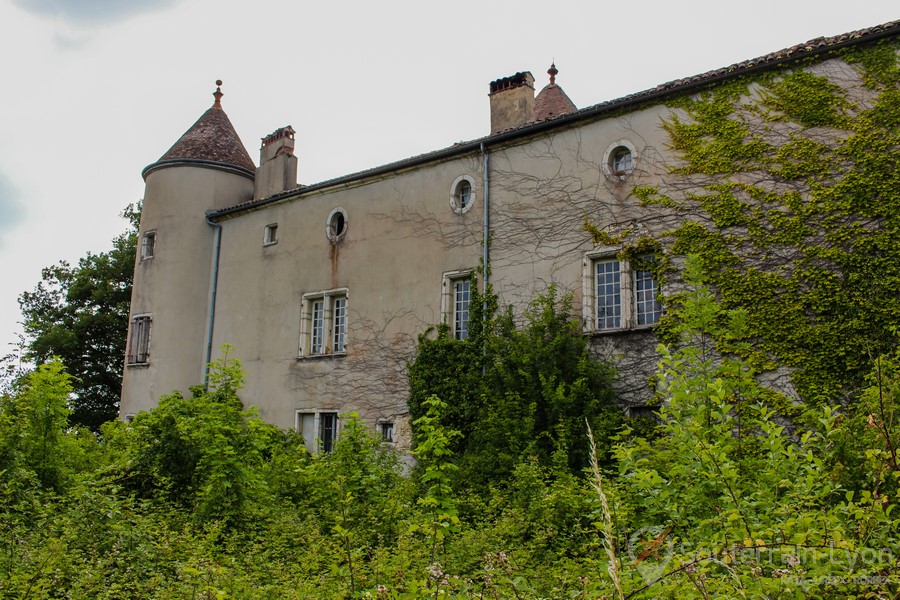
(322, 288)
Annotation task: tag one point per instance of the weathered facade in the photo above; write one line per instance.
(322, 289)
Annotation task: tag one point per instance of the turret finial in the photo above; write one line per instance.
(218, 94)
(552, 71)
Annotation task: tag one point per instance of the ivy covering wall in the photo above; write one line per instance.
(788, 183)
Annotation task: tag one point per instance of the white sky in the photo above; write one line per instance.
(92, 91)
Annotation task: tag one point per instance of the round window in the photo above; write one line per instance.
(619, 160)
(336, 225)
(462, 194)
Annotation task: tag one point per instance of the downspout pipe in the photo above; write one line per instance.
(486, 246)
(485, 257)
(212, 300)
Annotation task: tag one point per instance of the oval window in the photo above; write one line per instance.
(620, 161)
(462, 194)
(336, 225)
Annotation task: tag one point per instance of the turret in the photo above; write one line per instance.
(208, 168)
(552, 101)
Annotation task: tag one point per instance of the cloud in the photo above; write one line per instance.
(68, 42)
(92, 12)
(11, 212)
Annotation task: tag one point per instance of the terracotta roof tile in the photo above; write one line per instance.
(551, 102)
(212, 138)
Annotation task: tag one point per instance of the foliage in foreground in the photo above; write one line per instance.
(516, 391)
(80, 314)
(201, 499)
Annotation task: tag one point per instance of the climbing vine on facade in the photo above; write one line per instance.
(788, 183)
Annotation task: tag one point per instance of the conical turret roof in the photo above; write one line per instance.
(211, 141)
(552, 101)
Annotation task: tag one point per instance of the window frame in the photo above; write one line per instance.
(456, 203)
(330, 222)
(270, 234)
(139, 340)
(320, 327)
(621, 161)
(318, 444)
(609, 164)
(148, 248)
(449, 308)
(629, 300)
(387, 431)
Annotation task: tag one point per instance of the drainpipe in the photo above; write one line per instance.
(486, 255)
(212, 301)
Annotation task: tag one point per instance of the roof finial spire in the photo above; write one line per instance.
(552, 71)
(218, 94)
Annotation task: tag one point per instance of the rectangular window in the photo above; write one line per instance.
(608, 295)
(148, 245)
(387, 432)
(139, 342)
(327, 431)
(339, 324)
(462, 298)
(617, 297)
(323, 329)
(647, 308)
(317, 325)
(319, 430)
(456, 302)
(271, 235)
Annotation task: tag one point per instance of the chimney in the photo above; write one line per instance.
(512, 102)
(277, 170)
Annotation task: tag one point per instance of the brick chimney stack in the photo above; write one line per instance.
(512, 102)
(277, 170)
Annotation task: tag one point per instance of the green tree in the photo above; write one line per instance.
(726, 500)
(206, 453)
(516, 392)
(33, 425)
(80, 314)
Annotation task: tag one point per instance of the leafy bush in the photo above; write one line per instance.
(516, 393)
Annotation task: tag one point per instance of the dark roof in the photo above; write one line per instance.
(211, 141)
(815, 47)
